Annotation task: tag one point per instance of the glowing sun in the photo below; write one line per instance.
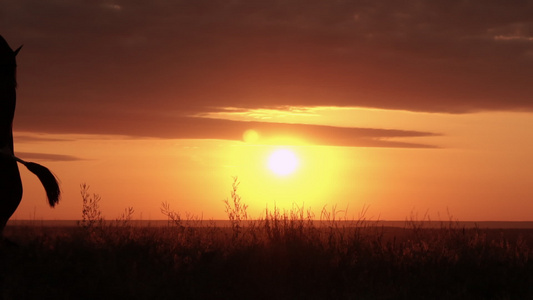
(283, 162)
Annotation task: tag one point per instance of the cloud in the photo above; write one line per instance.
(111, 59)
(174, 126)
(24, 138)
(30, 156)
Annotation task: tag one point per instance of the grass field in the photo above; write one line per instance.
(284, 255)
(270, 259)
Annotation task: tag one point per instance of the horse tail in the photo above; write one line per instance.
(47, 178)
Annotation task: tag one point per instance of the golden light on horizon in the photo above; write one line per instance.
(391, 181)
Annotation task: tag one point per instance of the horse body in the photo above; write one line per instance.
(10, 182)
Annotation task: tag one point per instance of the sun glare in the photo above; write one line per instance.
(250, 136)
(283, 162)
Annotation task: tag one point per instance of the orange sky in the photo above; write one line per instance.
(399, 106)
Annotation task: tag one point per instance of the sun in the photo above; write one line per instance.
(283, 162)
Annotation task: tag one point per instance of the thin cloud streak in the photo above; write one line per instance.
(179, 127)
(46, 156)
(23, 138)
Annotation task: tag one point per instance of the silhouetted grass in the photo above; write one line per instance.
(275, 258)
(283, 255)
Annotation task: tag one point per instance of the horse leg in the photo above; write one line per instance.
(10, 191)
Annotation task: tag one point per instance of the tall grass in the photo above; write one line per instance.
(285, 254)
(91, 214)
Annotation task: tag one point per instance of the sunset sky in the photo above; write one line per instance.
(403, 107)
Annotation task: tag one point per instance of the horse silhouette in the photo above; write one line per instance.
(10, 182)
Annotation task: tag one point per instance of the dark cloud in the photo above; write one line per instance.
(172, 126)
(108, 59)
(30, 156)
(23, 138)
